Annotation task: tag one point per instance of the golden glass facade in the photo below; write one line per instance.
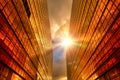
(25, 40)
(95, 28)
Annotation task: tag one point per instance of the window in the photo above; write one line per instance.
(26, 7)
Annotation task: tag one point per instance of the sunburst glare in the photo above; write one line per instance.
(66, 42)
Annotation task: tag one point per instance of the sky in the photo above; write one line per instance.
(59, 15)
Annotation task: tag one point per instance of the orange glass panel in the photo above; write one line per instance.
(3, 2)
(15, 77)
(7, 41)
(11, 46)
(6, 9)
(2, 35)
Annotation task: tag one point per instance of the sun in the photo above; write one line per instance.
(66, 42)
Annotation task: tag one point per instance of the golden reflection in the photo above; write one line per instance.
(78, 44)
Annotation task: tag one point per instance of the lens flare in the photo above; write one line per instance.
(66, 42)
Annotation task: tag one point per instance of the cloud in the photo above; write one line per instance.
(59, 11)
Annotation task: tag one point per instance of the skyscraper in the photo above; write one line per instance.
(95, 29)
(25, 40)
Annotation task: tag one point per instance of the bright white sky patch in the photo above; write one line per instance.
(66, 42)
